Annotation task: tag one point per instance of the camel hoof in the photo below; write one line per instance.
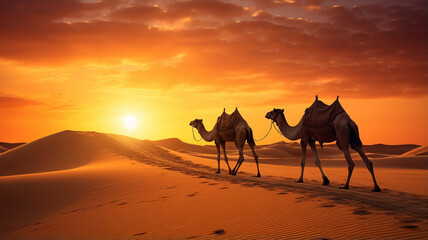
(376, 189)
(344, 187)
(234, 173)
(299, 181)
(217, 172)
(258, 175)
(326, 182)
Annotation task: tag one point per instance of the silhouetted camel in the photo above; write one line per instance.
(325, 124)
(238, 132)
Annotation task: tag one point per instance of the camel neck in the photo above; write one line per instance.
(292, 133)
(207, 136)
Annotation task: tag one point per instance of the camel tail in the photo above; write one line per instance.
(354, 136)
(250, 138)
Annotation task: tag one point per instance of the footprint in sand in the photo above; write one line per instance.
(219, 232)
(328, 205)
(282, 193)
(361, 212)
(139, 234)
(193, 194)
(409, 226)
(121, 204)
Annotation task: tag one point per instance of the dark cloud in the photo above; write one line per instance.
(288, 3)
(366, 51)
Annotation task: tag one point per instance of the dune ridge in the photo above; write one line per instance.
(10, 145)
(422, 150)
(2, 149)
(285, 153)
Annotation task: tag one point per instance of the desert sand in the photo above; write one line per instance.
(88, 185)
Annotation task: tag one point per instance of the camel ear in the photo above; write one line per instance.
(282, 110)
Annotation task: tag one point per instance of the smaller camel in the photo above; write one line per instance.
(239, 132)
(324, 123)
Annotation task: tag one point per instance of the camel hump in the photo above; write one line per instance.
(320, 114)
(229, 121)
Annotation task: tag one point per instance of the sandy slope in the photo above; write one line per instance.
(10, 145)
(282, 153)
(116, 187)
(422, 150)
(2, 149)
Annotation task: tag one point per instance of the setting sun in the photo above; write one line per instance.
(130, 122)
(166, 119)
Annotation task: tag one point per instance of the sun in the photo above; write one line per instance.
(130, 122)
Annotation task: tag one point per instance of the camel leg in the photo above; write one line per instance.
(369, 166)
(236, 166)
(240, 161)
(351, 165)
(239, 143)
(318, 163)
(256, 159)
(303, 145)
(218, 156)
(223, 145)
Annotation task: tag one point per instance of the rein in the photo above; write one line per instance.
(278, 130)
(193, 132)
(275, 126)
(266, 133)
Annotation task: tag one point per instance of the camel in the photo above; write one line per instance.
(238, 132)
(335, 126)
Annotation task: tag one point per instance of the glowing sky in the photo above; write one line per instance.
(84, 65)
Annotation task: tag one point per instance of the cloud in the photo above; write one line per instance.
(364, 51)
(12, 102)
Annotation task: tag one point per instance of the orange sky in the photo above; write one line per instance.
(84, 65)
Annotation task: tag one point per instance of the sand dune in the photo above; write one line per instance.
(289, 154)
(87, 185)
(175, 143)
(422, 150)
(10, 145)
(59, 151)
(390, 149)
(2, 149)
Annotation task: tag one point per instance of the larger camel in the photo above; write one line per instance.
(238, 133)
(337, 127)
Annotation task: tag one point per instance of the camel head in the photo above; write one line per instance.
(273, 114)
(195, 123)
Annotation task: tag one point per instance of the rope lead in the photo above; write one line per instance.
(193, 132)
(266, 133)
